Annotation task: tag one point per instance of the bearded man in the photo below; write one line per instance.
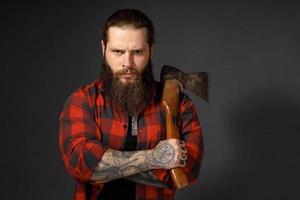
(112, 133)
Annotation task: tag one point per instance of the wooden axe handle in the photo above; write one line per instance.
(170, 100)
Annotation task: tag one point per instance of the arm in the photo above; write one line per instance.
(116, 164)
(79, 137)
(191, 133)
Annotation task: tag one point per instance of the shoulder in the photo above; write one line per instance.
(91, 88)
(86, 94)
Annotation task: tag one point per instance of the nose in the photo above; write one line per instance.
(128, 60)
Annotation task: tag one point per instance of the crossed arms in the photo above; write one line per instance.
(87, 160)
(135, 165)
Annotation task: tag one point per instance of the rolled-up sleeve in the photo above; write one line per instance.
(79, 137)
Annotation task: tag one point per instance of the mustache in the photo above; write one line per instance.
(127, 70)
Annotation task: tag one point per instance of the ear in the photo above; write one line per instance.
(152, 49)
(103, 48)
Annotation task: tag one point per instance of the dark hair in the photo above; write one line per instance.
(132, 18)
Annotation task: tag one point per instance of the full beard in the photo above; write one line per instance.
(131, 97)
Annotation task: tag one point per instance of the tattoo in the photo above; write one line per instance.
(161, 157)
(164, 153)
(118, 164)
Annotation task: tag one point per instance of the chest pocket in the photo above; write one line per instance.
(151, 129)
(113, 132)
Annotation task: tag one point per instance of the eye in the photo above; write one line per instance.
(117, 52)
(138, 52)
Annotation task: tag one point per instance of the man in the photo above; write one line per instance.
(112, 131)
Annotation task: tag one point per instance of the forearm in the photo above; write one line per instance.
(117, 164)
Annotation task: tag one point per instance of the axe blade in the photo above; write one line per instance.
(195, 82)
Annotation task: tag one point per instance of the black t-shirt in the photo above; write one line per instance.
(122, 187)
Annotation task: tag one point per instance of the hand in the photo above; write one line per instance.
(168, 154)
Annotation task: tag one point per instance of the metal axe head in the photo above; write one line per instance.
(196, 82)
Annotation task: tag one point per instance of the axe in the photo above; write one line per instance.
(173, 81)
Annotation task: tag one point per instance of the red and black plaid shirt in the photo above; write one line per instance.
(88, 127)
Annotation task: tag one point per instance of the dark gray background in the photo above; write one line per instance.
(250, 126)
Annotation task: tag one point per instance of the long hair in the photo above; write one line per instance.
(132, 18)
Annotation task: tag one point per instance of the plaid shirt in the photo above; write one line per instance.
(88, 127)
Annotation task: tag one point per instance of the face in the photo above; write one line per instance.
(127, 52)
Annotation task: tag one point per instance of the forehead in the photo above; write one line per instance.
(120, 36)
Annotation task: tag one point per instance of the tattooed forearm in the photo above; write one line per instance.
(117, 164)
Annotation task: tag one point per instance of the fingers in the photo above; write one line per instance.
(183, 153)
(182, 146)
(181, 163)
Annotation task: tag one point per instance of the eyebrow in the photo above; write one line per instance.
(139, 49)
(120, 49)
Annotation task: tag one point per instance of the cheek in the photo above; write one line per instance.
(142, 62)
(112, 62)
